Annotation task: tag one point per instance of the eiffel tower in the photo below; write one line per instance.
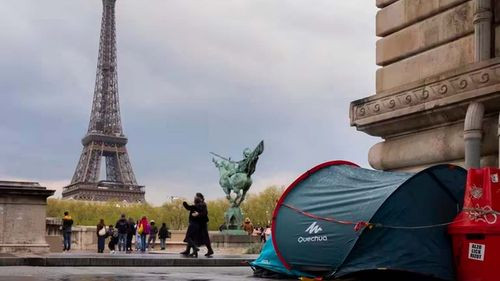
(105, 138)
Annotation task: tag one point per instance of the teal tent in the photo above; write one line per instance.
(338, 219)
(268, 265)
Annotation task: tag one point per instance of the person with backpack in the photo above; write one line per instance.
(143, 229)
(122, 228)
(67, 223)
(113, 238)
(163, 234)
(101, 236)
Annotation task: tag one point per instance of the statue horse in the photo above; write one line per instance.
(235, 177)
(231, 180)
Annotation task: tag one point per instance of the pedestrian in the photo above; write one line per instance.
(137, 236)
(113, 238)
(101, 236)
(130, 234)
(152, 235)
(122, 228)
(222, 227)
(193, 232)
(262, 235)
(203, 220)
(143, 229)
(256, 232)
(267, 232)
(163, 235)
(67, 224)
(248, 226)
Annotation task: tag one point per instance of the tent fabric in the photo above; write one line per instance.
(268, 260)
(315, 221)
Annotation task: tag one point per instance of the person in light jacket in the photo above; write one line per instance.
(152, 234)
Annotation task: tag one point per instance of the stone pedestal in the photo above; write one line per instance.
(22, 217)
(233, 218)
(223, 240)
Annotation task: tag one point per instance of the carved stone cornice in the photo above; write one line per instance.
(478, 81)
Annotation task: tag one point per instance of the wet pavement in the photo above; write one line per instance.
(122, 259)
(23, 273)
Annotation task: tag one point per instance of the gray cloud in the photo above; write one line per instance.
(194, 77)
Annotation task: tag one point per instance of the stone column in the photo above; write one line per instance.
(22, 217)
(482, 51)
(473, 134)
(482, 29)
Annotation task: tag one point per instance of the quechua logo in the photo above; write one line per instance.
(314, 228)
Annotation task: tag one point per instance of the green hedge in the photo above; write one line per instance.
(258, 207)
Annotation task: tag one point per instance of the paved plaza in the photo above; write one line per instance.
(124, 273)
(126, 260)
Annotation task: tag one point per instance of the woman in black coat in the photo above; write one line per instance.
(193, 232)
(203, 219)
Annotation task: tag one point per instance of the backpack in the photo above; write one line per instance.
(103, 231)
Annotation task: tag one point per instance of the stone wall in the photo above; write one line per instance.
(429, 73)
(422, 38)
(84, 238)
(22, 217)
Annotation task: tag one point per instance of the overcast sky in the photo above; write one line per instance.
(194, 76)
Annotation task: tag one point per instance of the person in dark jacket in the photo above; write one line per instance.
(193, 232)
(122, 228)
(163, 235)
(203, 220)
(152, 234)
(67, 224)
(130, 234)
(101, 236)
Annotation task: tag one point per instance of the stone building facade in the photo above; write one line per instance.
(22, 217)
(438, 85)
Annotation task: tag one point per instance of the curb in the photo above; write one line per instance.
(126, 262)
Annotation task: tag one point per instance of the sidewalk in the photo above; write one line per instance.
(121, 259)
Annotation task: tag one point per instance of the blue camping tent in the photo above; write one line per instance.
(339, 219)
(272, 266)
